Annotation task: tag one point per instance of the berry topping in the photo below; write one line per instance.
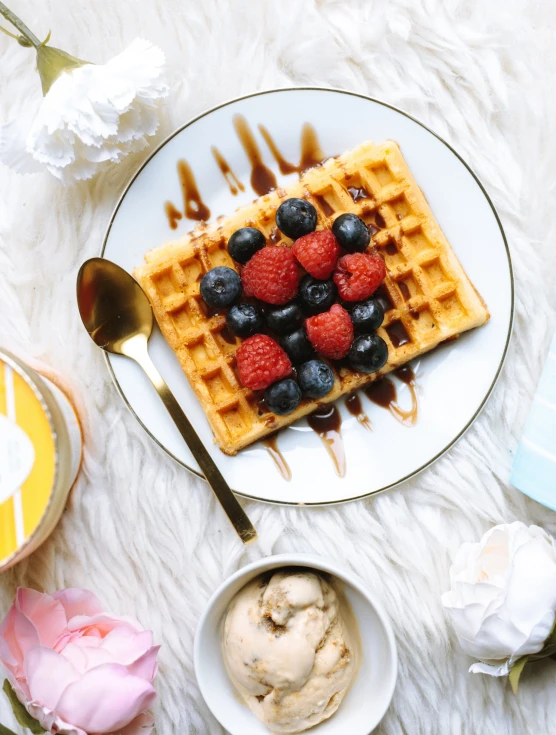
(318, 253)
(283, 397)
(221, 287)
(358, 275)
(284, 319)
(367, 316)
(368, 353)
(297, 346)
(244, 243)
(331, 333)
(271, 275)
(244, 320)
(316, 379)
(351, 232)
(296, 217)
(315, 295)
(261, 361)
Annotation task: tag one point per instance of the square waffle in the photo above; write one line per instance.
(427, 297)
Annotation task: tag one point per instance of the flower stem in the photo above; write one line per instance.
(25, 32)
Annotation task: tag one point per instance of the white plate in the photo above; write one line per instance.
(454, 381)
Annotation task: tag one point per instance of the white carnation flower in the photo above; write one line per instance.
(90, 116)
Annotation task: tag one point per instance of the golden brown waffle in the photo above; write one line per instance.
(427, 296)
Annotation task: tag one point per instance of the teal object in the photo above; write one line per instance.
(534, 468)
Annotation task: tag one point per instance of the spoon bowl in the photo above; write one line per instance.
(112, 305)
(119, 319)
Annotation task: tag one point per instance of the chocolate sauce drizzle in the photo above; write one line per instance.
(358, 192)
(229, 176)
(383, 393)
(311, 152)
(193, 206)
(173, 214)
(262, 178)
(271, 445)
(323, 204)
(355, 407)
(398, 333)
(327, 422)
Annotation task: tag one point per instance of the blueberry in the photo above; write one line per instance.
(367, 316)
(244, 320)
(296, 217)
(316, 379)
(368, 353)
(221, 287)
(284, 319)
(297, 346)
(315, 295)
(283, 397)
(351, 232)
(244, 243)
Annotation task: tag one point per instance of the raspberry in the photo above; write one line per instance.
(358, 275)
(318, 253)
(331, 333)
(271, 275)
(261, 361)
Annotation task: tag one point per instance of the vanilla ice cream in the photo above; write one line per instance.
(287, 649)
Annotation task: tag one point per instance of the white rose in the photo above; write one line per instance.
(502, 600)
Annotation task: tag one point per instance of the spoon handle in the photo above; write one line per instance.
(220, 487)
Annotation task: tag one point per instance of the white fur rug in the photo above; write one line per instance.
(144, 534)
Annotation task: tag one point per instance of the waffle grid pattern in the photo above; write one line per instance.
(426, 294)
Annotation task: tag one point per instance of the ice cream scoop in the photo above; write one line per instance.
(287, 649)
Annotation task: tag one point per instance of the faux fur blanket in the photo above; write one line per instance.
(142, 532)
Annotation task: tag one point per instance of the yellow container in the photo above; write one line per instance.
(40, 454)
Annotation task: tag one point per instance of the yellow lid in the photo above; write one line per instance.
(27, 459)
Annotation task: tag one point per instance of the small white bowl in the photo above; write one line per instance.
(367, 700)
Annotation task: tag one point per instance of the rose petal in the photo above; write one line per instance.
(146, 666)
(45, 613)
(91, 640)
(48, 674)
(103, 623)
(96, 657)
(78, 602)
(126, 645)
(86, 637)
(19, 686)
(482, 668)
(10, 653)
(50, 721)
(531, 589)
(105, 699)
(25, 634)
(76, 656)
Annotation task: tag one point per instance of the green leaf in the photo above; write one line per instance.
(516, 671)
(21, 714)
(544, 653)
(5, 731)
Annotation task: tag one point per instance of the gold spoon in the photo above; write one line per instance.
(119, 319)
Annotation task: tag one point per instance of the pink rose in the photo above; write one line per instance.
(76, 669)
